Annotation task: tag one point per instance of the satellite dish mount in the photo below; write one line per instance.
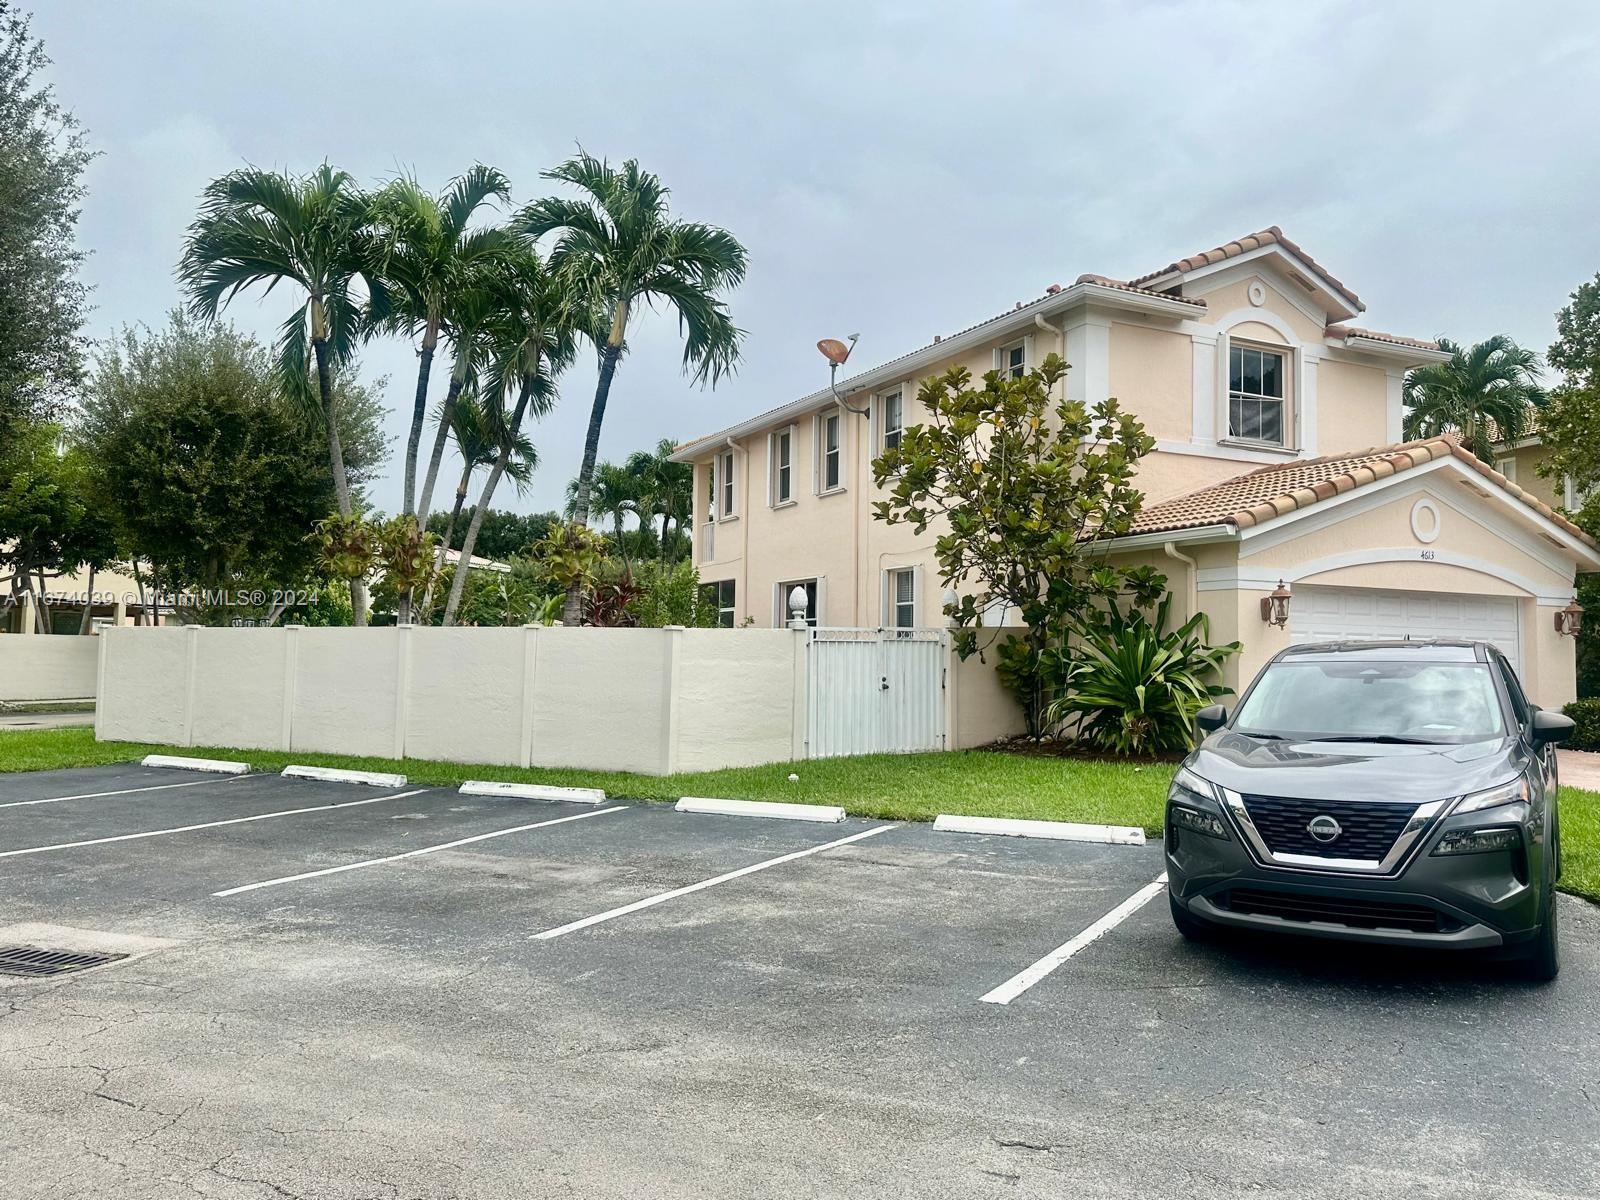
(838, 353)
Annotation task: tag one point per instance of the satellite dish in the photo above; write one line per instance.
(836, 351)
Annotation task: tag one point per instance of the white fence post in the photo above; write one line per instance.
(801, 701)
(402, 686)
(191, 654)
(530, 673)
(669, 698)
(291, 669)
(100, 684)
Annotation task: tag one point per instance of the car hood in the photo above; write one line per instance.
(1354, 770)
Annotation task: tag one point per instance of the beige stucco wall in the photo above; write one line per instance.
(47, 668)
(224, 714)
(1522, 466)
(143, 689)
(465, 695)
(741, 697)
(1352, 406)
(982, 711)
(1152, 375)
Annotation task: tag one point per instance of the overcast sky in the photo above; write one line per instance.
(895, 169)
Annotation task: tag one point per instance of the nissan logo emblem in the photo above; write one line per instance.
(1324, 828)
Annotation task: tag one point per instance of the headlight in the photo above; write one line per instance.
(1186, 782)
(1515, 792)
(1480, 841)
(1192, 805)
(1196, 821)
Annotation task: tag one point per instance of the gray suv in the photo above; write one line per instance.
(1402, 793)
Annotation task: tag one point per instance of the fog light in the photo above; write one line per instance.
(1196, 821)
(1480, 841)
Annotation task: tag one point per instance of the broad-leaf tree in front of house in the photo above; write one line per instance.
(621, 245)
(262, 228)
(1025, 484)
(1485, 394)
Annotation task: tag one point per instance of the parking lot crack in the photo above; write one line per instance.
(1021, 1144)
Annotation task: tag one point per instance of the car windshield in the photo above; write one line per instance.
(1362, 700)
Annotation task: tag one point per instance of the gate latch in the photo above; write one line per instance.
(883, 683)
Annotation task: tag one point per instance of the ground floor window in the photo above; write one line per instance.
(784, 590)
(719, 595)
(901, 599)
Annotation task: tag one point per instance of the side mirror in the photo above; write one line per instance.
(1214, 716)
(1551, 728)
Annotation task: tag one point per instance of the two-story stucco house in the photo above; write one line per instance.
(1278, 457)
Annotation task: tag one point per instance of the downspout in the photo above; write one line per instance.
(1170, 549)
(1061, 342)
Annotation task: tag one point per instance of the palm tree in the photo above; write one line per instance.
(620, 245)
(1487, 393)
(528, 343)
(259, 227)
(476, 432)
(614, 495)
(666, 487)
(428, 258)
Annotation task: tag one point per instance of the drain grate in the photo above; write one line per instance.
(33, 961)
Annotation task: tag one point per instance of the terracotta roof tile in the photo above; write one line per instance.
(1275, 491)
(1345, 332)
(1124, 286)
(1251, 241)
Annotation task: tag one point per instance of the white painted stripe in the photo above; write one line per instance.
(1023, 980)
(338, 775)
(532, 791)
(150, 833)
(760, 808)
(158, 787)
(373, 862)
(663, 897)
(220, 766)
(1061, 831)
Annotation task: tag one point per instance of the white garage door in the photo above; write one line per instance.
(1319, 614)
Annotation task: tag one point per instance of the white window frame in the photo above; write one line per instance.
(819, 481)
(780, 600)
(881, 409)
(775, 466)
(727, 475)
(1286, 378)
(891, 602)
(727, 614)
(1002, 359)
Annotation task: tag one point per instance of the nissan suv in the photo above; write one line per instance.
(1401, 793)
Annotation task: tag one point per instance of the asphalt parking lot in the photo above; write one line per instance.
(339, 991)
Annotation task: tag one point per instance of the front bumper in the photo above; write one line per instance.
(1467, 901)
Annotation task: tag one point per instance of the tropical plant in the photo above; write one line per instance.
(429, 259)
(404, 552)
(611, 603)
(1026, 485)
(666, 489)
(1132, 687)
(671, 595)
(613, 496)
(528, 343)
(569, 557)
(1485, 394)
(621, 247)
(259, 227)
(347, 546)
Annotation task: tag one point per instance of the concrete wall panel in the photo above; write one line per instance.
(37, 667)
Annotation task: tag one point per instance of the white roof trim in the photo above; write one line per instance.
(1411, 355)
(907, 366)
(1336, 301)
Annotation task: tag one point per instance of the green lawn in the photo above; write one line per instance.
(906, 787)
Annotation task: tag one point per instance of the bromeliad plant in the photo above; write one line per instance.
(1131, 685)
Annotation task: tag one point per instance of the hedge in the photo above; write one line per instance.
(1587, 714)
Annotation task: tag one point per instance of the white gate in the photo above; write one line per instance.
(874, 691)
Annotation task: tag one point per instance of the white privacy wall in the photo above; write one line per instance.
(47, 666)
(647, 700)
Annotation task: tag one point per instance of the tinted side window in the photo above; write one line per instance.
(1519, 702)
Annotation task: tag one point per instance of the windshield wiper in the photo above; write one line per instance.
(1382, 739)
(1262, 737)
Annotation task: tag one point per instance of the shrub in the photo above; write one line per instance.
(1132, 686)
(1587, 715)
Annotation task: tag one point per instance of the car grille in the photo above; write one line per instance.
(1353, 911)
(1367, 828)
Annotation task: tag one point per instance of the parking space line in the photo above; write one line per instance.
(421, 850)
(663, 897)
(1023, 980)
(120, 792)
(150, 833)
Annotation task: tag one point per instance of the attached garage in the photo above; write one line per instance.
(1320, 614)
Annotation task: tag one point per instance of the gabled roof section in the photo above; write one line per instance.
(1269, 236)
(1278, 490)
(1348, 333)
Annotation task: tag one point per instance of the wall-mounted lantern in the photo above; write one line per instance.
(1569, 620)
(1275, 608)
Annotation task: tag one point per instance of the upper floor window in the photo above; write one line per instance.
(892, 422)
(1255, 394)
(780, 454)
(725, 482)
(830, 452)
(1012, 361)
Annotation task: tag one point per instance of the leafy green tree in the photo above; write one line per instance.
(1486, 393)
(614, 496)
(1023, 486)
(211, 477)
(1570, 423)
(262, 228)
(429, 257)
(622, 248)
(666, 490)
(671, 595)
(42, 301)
(502, 534)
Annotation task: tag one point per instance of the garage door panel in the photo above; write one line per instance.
(1318, 614)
